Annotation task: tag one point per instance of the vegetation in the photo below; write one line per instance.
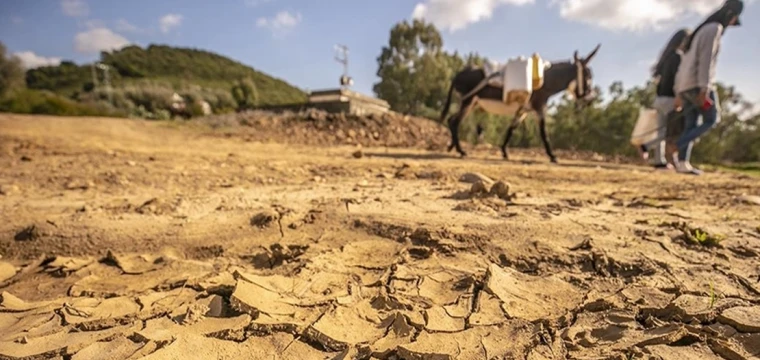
(143, 82)
(415, 74)
(170, 67)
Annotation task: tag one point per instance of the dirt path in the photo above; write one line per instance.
(136, 239)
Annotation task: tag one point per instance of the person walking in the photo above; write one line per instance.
(664, 74)
(695, 82)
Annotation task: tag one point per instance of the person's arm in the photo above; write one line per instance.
(707, 48)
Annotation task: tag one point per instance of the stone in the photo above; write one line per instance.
(501, 190)
(474, 177)
(118, 348)
(7, 271)
(439, 321)
(531, 297)
(744, 318)
(344, 327)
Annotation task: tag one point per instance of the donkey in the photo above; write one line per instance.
(471, 84)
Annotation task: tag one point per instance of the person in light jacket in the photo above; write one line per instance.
(664, 73)
(695, 82)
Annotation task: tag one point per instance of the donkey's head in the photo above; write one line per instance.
(582, 87)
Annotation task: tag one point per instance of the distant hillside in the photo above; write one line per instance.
(175, 67)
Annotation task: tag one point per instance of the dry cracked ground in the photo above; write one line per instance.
(126, 239)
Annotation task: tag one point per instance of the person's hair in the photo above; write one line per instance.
(672, 46)
(722, 16)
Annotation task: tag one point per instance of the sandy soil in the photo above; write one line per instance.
(127, 239)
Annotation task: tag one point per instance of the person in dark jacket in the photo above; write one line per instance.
(664, 74)
(695, 81)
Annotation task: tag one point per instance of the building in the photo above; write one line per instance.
(347, 101)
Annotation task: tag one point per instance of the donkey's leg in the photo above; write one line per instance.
(519, 117)
(455, 121)
(544, 138)
(451, 130)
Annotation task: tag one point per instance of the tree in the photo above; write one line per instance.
(414, 71)
(11, 71)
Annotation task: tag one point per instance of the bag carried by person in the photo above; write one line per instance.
(646, 128)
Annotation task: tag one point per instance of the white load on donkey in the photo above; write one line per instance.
(517, 78)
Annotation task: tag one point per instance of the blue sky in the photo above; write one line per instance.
(294, 39)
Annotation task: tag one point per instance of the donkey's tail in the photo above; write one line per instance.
(445, 111)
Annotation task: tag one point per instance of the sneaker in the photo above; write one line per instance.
(684, 167)
(663, 167)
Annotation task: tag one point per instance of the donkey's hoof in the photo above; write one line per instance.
(554, 160)
(462, 155)
(505, 156)
(451, 147)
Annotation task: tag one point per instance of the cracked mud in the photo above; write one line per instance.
(119, 241)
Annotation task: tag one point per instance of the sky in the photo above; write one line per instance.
(295, 39)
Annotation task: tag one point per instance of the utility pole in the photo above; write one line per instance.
(94, 76)
(106, 80)
(341, 56)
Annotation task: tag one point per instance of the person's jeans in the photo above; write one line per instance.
(691, 113)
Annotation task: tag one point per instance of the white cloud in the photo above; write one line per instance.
(458, 14)
(280, 23)
(125, 26)
(75, 8)
(633, 15)
(32, 60)
(17, 20)
(98, 39)
(93, 23)
(170, 21)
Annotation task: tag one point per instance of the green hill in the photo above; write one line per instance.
(167, 67)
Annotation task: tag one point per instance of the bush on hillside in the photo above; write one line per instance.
(165, 64)
(28, 101)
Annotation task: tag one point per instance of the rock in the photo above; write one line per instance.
(478, 188)
(135, 264)
(95, 314)
(344, 327)
(59, 343)
(264, 218)
(439, 321)
(358, 154)
(191, 346)
(400, 332)
(489, 311)
(131, 163)
(649, 300)
(744, 318)
(472, 178)
(63, 265)
(79, 185)
(118, 348)
(510, 341)
(7, 271)
(8, 189)
(531, 297)
(253, 299)
(31, 233)
(696, 351)
(749, 199)
(11, 303)
(501, 190)
(25, 158)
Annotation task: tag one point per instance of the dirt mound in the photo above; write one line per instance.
(317, 127)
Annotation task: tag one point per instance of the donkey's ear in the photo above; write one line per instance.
(592, 54)
(575, 56)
